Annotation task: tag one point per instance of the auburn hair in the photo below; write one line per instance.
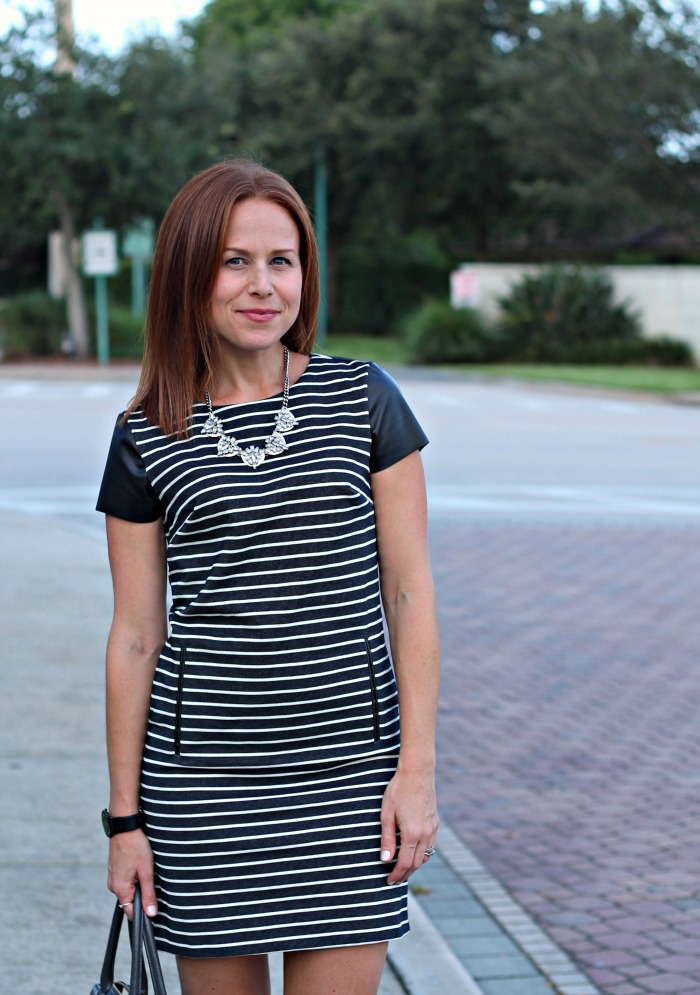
(181, 349)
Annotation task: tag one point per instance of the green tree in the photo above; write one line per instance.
(115, 138)
(599, 112)
(234, 24)
(54, 170)
(173, 119)
(393, 91)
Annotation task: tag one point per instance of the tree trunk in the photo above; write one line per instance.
(75, 302)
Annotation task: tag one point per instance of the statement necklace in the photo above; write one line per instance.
(275, 443)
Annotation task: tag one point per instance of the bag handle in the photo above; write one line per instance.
(141, 936)
(107, 972)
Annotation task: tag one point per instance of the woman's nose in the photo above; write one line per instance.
(260, 280)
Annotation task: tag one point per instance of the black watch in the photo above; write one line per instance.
(113, 825)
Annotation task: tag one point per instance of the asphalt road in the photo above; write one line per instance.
(499, 451)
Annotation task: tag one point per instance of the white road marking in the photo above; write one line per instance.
(49, 500)
(626, 501)
(465, 501)
(14, 390)
(18, 388)
(97, 390)
(480, 396)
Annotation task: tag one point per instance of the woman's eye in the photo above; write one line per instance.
(281, 261)
(234, 261)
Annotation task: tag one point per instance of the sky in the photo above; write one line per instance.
(112, 23)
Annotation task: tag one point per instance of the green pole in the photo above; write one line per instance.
(102, 315)
(138, 285)
(101, 309)
(321, 218)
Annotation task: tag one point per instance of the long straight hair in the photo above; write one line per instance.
(181, 348)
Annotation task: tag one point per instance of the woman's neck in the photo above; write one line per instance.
(249, 376)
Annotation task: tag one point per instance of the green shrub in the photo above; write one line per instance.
(439, 333)
(661, 351)
(34, 324)
(125, 332)
(31, 324)
(562, 313)
(383, 276)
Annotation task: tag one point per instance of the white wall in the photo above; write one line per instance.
(666, 297)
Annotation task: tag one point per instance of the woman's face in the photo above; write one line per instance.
(258, 288)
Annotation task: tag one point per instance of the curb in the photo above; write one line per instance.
(129, 370)
(68, 370)
(632, 394)
(554, 964)
(427, 965)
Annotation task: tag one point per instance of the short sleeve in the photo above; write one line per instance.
(395, 429)
(126, 491)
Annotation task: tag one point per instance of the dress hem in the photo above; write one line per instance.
(281, 946)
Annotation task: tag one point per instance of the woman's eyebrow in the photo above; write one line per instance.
(274, 252)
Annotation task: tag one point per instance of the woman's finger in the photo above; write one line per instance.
(388, 844)
(148, 896)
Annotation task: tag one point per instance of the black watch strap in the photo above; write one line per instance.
(113, 825)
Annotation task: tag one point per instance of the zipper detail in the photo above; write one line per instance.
(373, 686)
(178, 700)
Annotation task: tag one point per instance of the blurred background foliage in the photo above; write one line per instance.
(454, 130)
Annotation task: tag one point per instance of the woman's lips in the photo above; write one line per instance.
(257, 315)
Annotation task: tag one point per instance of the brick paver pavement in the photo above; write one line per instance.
(570, 735)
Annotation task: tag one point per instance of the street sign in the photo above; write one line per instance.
(464, 287)
(100, 253)
(138, 244)
(139, 240)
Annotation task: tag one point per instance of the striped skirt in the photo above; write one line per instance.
(254, 860)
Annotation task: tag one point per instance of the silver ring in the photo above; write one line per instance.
(125, 905)
(430, 851)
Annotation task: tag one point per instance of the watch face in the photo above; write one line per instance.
(105, 822)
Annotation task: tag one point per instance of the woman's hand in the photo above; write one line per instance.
(131, 862)
(409, 807)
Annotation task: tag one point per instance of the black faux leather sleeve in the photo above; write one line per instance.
(126, 491)
(395, 429)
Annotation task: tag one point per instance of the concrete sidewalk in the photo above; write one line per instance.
(55, 594)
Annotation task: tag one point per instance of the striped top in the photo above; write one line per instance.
(277, 652)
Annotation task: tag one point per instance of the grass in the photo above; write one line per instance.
(648, 378)
(665, 380)
(379, 350)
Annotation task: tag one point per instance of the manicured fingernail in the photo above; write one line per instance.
(385, 855)
(151, 910)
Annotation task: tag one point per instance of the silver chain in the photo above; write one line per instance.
(275, 443)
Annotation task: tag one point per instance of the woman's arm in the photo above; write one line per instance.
(409, 604)
(137, 561)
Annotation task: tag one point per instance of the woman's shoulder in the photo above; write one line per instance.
(322, 360)
(381, 387)
(133, 424)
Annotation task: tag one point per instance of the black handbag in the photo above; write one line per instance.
(141, 936)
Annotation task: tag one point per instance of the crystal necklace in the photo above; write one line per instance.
(275, 443)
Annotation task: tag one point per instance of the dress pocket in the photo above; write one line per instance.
(223, 712)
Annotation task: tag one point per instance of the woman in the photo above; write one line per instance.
(258, 790)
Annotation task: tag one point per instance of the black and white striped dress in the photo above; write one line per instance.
(273, 727)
